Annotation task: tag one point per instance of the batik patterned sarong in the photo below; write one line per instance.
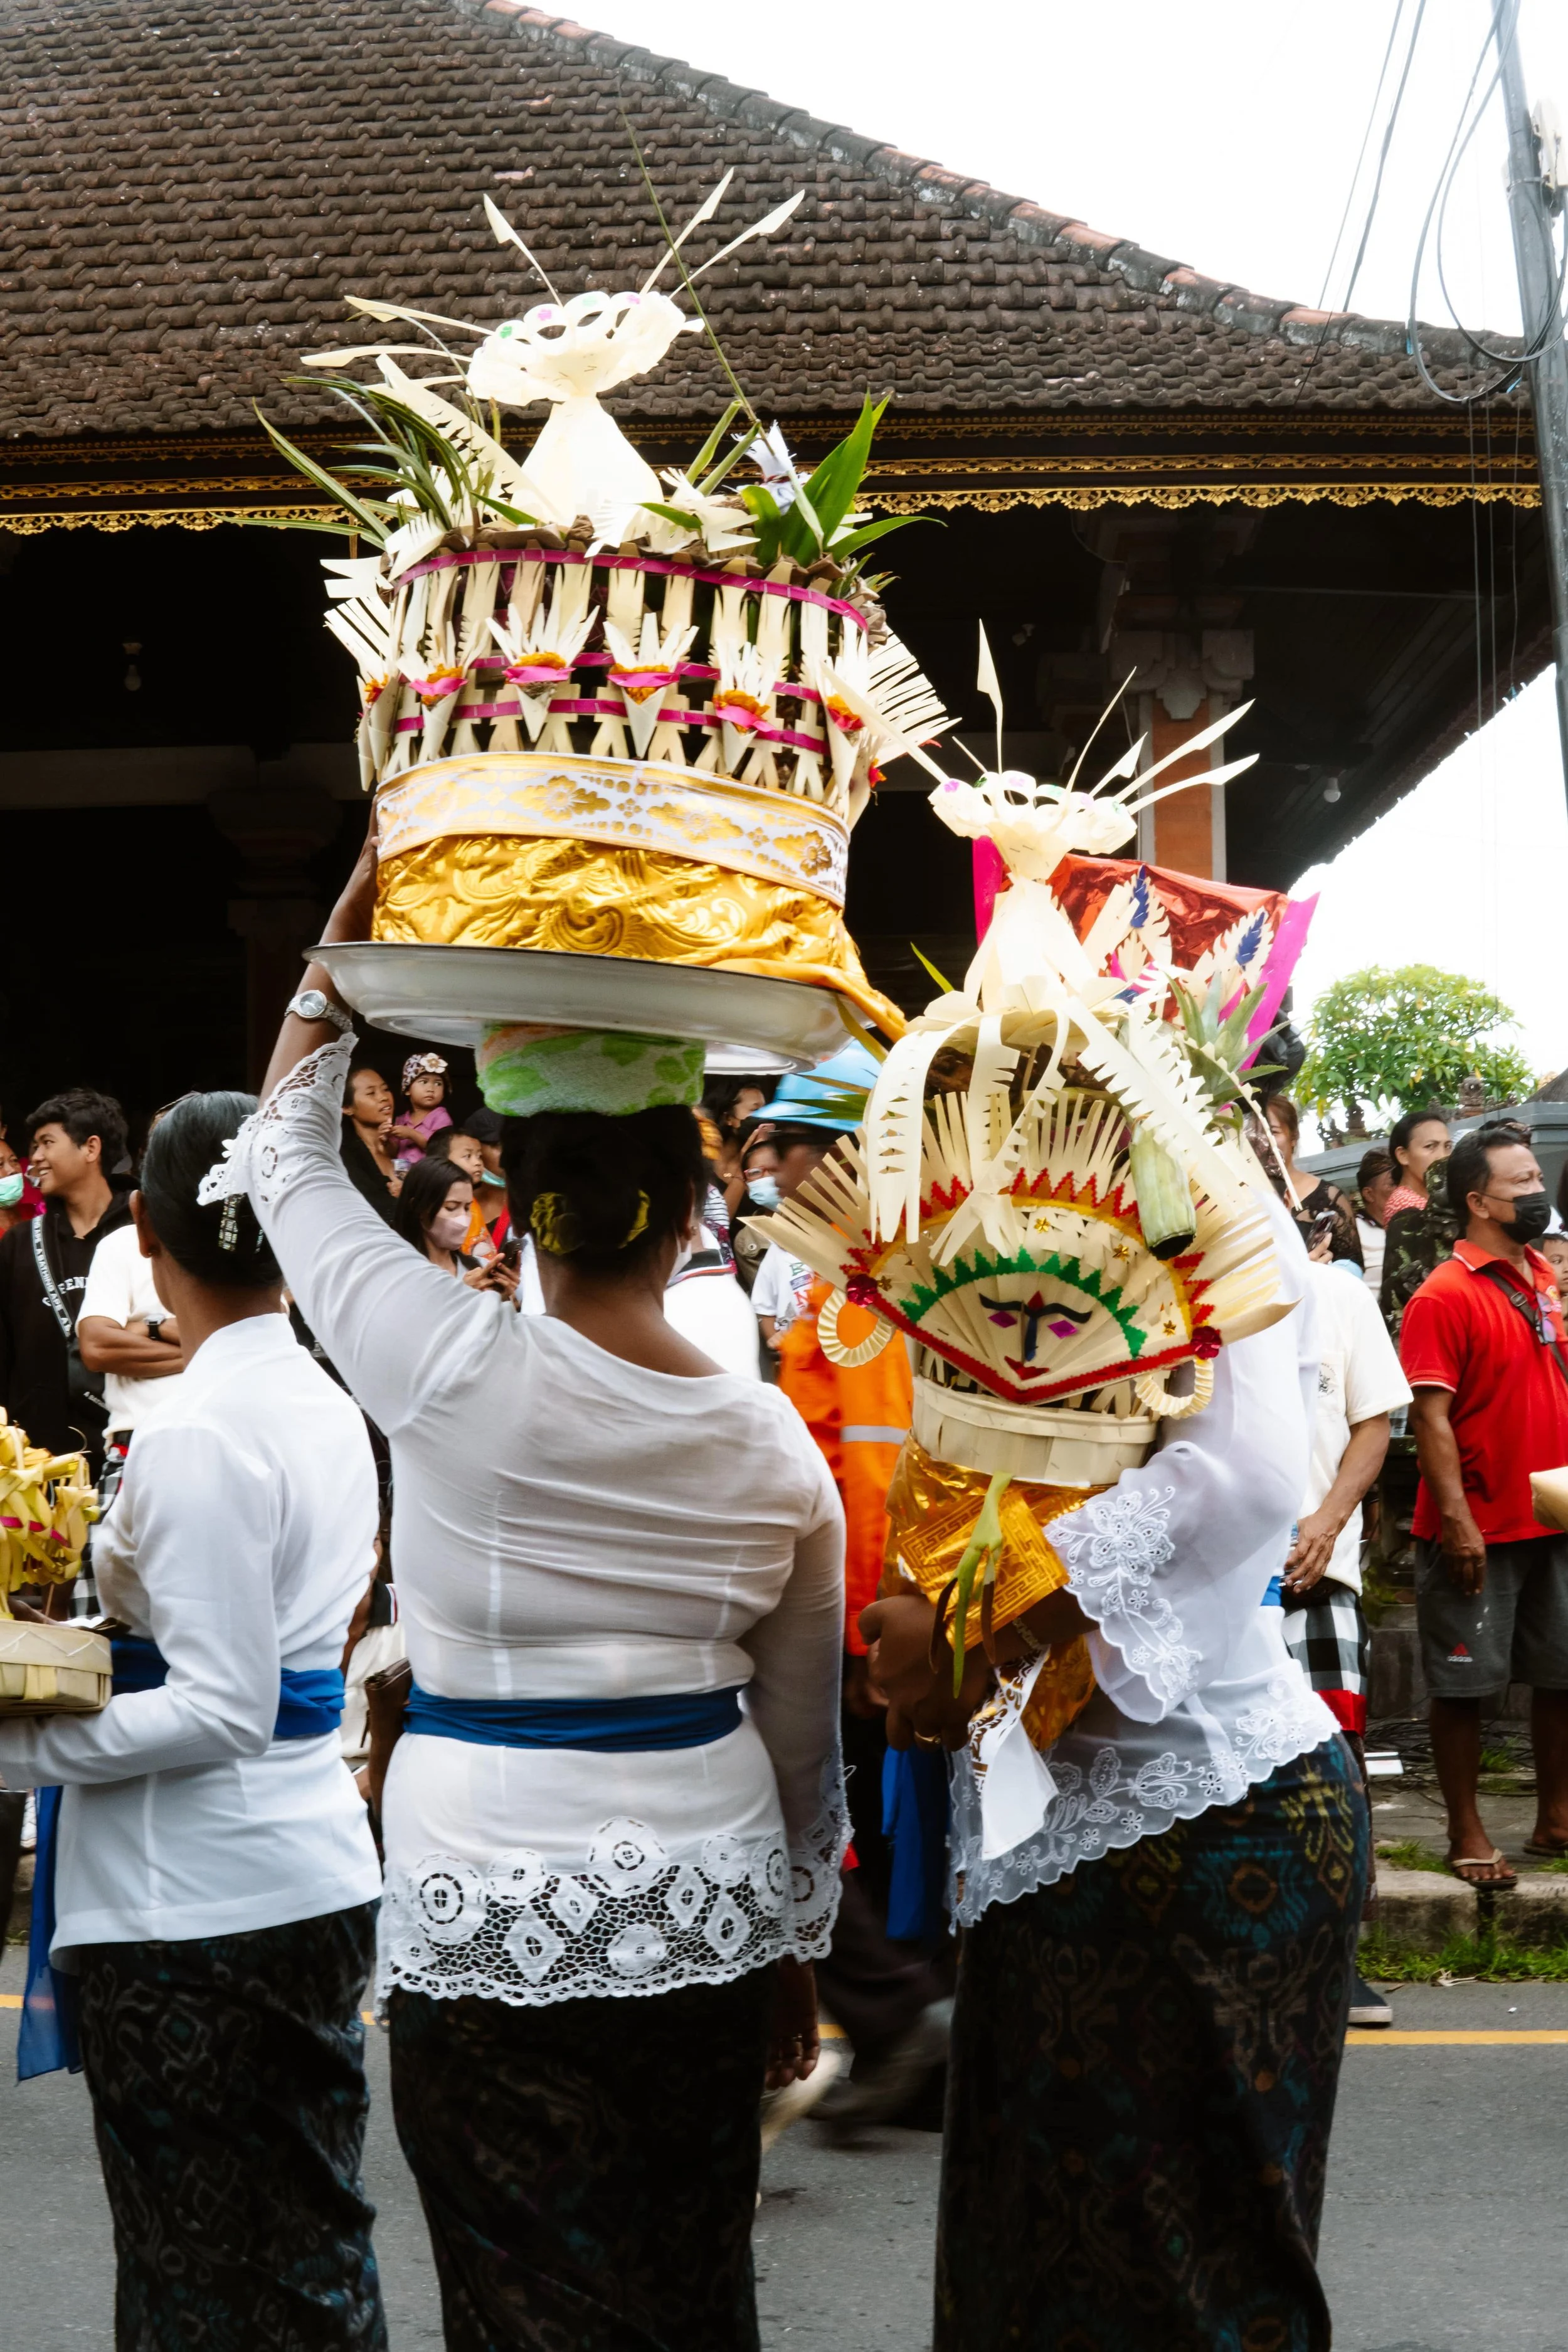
(228, 2097)
(588, 2168)
(1144, 2063)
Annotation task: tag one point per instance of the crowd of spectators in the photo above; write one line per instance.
(1437, 1294)
(1465, 1251)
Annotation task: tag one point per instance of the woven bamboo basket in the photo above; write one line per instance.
(1053, 1447)
(53, 1669)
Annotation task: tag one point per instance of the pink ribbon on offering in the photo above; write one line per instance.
(602, 707)
(1283, 957)
(793, 736)
(544, 671)
(742, 711)
(509, 558)
(588, 706)
(989, 874)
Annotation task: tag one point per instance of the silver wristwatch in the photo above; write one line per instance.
(311, 1005)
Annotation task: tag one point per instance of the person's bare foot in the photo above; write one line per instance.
(1477, 1863)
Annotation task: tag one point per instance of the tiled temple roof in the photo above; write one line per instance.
(189, 188)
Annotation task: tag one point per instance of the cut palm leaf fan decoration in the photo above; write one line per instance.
(1050, 1196)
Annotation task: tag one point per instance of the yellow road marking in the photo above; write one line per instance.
(1370, 2033)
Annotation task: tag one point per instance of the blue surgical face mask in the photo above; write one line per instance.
(764, 1191)
(11, 1189)
(490, 1177)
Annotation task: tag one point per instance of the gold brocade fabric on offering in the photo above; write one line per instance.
(933, 1509)
(485, 890)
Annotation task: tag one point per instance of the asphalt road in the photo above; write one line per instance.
(1443, 2230)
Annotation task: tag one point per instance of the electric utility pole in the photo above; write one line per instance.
(1533, 196)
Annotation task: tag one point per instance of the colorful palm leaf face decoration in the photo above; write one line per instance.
(1048, 1288)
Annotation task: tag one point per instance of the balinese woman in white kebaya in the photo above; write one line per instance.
(614, 1819)
(204, 1916)
(1154, 1983)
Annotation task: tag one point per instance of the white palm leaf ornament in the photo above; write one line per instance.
(1043, 1196)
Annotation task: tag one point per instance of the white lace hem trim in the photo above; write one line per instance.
(633, 1919)
(1108, 1804)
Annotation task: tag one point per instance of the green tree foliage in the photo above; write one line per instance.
(1387, 1042)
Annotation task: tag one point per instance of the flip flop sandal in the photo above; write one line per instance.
(1459, 1863)
(1547, 1853)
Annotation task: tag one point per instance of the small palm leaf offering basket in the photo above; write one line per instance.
(47, 1504)
(1052, 1199)
(618, 729)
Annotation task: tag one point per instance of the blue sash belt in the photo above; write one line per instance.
(310, 1705)
(608, 1726)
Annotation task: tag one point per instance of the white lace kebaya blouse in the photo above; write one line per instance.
(1197, 1697)
(569, 1525)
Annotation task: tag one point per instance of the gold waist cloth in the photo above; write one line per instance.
(574, 898)
(933, 1509)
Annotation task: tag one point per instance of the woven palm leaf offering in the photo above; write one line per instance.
(46, 1503)
(1052, 1199)
(618, 728)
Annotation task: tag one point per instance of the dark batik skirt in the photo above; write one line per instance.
(228, 2096)
(588, 2168)
(1144, 2063)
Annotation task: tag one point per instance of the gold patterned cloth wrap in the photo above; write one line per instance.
(619, 857)
(932, 1508)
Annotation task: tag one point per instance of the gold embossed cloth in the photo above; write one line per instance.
(933, 1509)
(580, 897)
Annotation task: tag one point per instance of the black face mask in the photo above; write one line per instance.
(1531, 1215)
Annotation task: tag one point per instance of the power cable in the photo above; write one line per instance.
(1514, 552)
(1383, 156)
(1495, 358)
(1377, 185)
(1511, 363)
(1361, 158)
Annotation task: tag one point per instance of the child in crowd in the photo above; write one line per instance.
(466, 1155)
(13, 1209)
(484, 1127)
(424, 1091)
(1553, 1248)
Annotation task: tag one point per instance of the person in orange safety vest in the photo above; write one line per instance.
(859, 1413)
(890, 2001)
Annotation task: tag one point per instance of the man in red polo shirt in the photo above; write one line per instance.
(1482, 1344)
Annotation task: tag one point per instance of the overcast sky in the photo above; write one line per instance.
(1226, 133)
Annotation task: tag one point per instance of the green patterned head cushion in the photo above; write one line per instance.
(606, 1070)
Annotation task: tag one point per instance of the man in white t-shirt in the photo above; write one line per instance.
(781, 1293)
(705, 1302)
(125, 1332)
(1360, 1384)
